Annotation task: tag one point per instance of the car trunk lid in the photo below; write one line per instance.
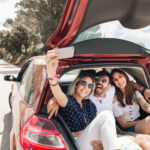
(110, 50)
(79, 15)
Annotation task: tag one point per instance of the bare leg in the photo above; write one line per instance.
(143, 126)
(143, 140)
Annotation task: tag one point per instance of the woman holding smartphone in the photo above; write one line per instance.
(79, 112)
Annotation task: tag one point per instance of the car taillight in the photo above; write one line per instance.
(41, 134)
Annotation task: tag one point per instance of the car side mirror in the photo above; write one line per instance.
(10, 78)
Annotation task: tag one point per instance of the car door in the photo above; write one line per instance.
(22, 95)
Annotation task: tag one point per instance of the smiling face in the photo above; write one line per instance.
(84, 87)
(102, 84)
(119, 80)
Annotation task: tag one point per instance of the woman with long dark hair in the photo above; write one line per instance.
(127, 103)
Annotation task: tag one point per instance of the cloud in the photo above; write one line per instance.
(7, 10)
(114, 29)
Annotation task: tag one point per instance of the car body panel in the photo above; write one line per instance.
(98, 50)
(22, 110)
(69, 24)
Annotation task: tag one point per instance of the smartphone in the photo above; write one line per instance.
(66, 52)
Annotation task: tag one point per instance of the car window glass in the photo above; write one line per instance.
(26, 85)
(114, 29)
(69, 76)
(22, 71)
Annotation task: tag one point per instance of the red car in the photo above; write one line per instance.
(30, 90)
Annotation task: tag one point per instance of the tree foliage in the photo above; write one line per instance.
(41, 16)
(8, 23)
(18, 40)
(90, 33)
(35, 22)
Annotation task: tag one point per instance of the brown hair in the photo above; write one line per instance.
(129, 89)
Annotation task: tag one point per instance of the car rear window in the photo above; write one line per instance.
(114, 29)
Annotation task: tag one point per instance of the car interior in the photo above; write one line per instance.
(137, 73)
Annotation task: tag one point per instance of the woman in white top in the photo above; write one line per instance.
(126, 104)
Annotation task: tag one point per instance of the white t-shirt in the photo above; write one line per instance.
(104, 103)
(130, 112)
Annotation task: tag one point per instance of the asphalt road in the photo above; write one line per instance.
(5, 111)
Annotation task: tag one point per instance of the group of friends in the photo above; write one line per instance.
(93, 102)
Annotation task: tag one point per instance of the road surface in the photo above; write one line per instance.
(5, 112)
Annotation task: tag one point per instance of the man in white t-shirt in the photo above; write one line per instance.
(103, 93)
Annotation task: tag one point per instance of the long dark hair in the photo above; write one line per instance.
(129, 89)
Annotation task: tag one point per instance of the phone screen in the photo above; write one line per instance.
(66, 52)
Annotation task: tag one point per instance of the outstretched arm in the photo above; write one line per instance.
(51, 65)
(145, 106)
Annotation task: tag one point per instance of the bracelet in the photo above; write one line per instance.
(54, 84)
(143, 90)
(56, 76)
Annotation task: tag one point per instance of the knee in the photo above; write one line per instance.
(106, 113)
(106, 116)
(143, 141)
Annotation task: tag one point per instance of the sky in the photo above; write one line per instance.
(111, 29)
(7, 10)
(115, 29)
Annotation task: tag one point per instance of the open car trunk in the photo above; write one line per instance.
(136, 72)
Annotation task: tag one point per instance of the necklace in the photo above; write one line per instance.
(100, 101)
(84, 117)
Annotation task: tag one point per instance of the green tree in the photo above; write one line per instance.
(18, 40)
(41, 16)
(142, 44)
(8, 23)
(90, 33)
(5, 37)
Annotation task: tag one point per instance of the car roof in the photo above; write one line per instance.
(79, 15)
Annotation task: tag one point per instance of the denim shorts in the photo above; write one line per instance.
(131, 131)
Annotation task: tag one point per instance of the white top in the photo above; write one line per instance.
(104, 103)
(130, 112)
